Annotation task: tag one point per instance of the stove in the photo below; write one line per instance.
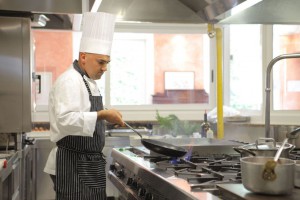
(210, 170)
(141, 174)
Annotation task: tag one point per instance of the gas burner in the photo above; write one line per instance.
(174, 164)
(204, 173)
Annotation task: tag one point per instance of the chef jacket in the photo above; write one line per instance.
(69, 110)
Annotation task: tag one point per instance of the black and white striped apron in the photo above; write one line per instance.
(80, 166)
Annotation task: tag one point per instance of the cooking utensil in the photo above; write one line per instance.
(269, 171)
(253, 167)
(266, 147)
(160, 147)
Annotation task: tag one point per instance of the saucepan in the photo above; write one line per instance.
(264, 147)
(268, 175)
(252, 169)
(160, 147)
(294, 137)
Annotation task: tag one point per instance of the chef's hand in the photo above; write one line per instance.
(112, 116)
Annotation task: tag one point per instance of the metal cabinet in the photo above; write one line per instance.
(28, 180)
(10, 179)
(44, 185)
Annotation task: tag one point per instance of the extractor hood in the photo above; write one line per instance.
(165, 11)
(168, 11)
(263, 12)
(160, 11)
(206, 11)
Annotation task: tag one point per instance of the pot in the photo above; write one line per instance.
(252, 169)
(267, 149)
(294, 137)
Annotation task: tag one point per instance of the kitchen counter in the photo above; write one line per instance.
(38, 134)
(239, 192)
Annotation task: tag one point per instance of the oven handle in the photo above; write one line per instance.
(122, 187)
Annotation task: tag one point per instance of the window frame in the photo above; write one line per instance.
(183, 111)
(278, 117)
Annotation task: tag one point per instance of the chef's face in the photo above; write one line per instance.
(94, 64)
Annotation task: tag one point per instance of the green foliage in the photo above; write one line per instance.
(176, 126)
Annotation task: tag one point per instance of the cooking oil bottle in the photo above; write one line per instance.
(205, 126)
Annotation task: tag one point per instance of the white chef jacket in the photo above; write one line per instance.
(69, 110)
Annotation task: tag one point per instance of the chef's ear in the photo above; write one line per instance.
(82, 57)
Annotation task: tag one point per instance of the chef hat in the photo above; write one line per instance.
(97, 32)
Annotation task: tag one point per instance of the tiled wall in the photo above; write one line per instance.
(53, 51)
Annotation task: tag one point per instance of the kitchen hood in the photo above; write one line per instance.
(263, 12)
(61, 13)
(159, 11)
(169, 11)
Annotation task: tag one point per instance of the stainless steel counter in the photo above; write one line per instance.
(239, 192)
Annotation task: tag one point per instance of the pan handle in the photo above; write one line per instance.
(133, 129)
(242, 150)
(294, 134)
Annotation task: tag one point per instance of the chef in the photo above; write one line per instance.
(77, 117)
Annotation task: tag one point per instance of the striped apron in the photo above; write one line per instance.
(80, 166)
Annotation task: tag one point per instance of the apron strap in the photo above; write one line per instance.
(87, 86)
(82, 73)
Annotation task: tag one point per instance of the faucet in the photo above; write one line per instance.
(268, 88)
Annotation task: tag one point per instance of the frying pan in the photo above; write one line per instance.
(160, 147)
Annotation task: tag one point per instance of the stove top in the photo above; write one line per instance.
(197, 175)
(194, 176)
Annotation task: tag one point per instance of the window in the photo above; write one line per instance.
(145, 64)
(245, 67)
(151, 66)
(286, 72)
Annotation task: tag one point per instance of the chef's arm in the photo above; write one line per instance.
(111, 115)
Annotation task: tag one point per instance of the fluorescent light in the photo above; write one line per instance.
(244, 6)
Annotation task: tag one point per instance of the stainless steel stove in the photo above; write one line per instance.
(210, 170)
(141, 174)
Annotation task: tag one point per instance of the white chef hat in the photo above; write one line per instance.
(97, 32)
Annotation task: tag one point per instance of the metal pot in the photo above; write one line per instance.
(294, 137)
(267, 149)
(252, 169)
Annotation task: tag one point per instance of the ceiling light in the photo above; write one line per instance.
(39, 20)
